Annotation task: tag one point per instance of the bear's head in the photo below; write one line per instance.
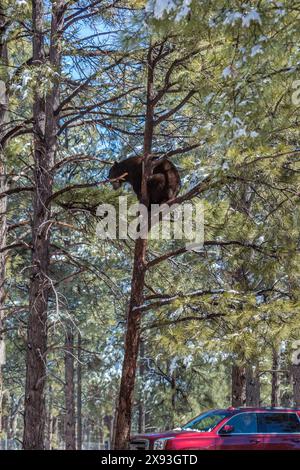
(117, 171)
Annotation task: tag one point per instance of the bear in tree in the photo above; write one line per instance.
(163, 184)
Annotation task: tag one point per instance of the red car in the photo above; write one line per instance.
(230, 429)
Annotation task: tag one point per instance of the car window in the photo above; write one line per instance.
(278, 423)
(244, 423)
(205, 422)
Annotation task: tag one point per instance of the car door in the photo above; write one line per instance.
(243, 434)
(281, 431)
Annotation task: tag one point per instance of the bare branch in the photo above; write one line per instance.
(86, 109)
(174, 110)
(83, 186)
(8, 192)
(171, 153)
(79, 158)
(23, 245)
(188, 295)
(241, 243)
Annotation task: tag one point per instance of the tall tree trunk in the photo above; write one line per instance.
(275, 390)
(238, 391)
(173, 397)
(5, 413)
(252, 386)
(12, 418)
(101, 435)
(48, 438)
(60, 430)
(3, 187)
(79, 394)
(70, 439)
(114, 425)
(133, 327)
(54, 433)
(295, 370)
(141, 405)
(126, 393)
(88, 434)
(110, 425)
(45, 126)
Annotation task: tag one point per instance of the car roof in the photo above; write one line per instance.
(271, 409)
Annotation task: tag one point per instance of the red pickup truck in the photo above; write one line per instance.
(230, 429)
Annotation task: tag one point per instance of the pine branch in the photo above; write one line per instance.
(210, 316)
(8, 192)
(174, 110)
(180, 251)
(188, 295)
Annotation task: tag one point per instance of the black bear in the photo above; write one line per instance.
(163, 184)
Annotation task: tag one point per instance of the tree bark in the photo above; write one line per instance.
(88, 434)
(15, 405)
(173, 398)
(238, 391)
(70, 440)
(45, 127)
(114, 425)
(11, 419)
(101, 436)
(54, 433)
(3, 187)
(252, 386)
(295, 370)
(141, 406)
(133, 328)
(5, 413)
(275, 385)
(132, 339)
(48, 438)
(79, 395)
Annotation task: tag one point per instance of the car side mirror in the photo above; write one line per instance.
(227, 429)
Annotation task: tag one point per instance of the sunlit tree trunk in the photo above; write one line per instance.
(275, 382)
(49, 420)
(173, 398)
(252, 386)
(54, 433)
(141, 404)
(238, 390)
(70, 439)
